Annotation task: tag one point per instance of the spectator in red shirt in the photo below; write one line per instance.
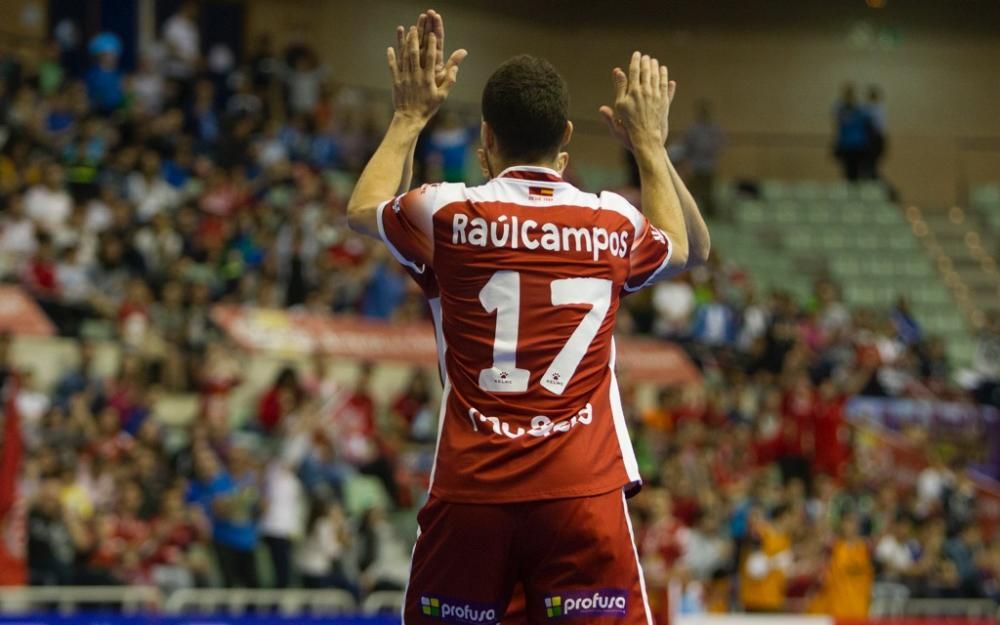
(413, 408)
(284, 396)
(830, 431)
(40, 273)
(179, 536)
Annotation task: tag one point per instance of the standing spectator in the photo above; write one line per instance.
(281, 521)
(703, 143)
(17, 235)
(49, 204)
(385, 561)
(183, 43)
(847, 586)
(321, 555)
(715, 323)
(963, 550)
(105, 86)
(229, 503)
(875, 111)
(853, 137)
(54, 536)
(147, 86)
(305, 80)
(765, 571)
(284, 396)
(907, 328)
(449, 143)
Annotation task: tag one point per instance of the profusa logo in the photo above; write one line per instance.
(463, 613)
(608, 602)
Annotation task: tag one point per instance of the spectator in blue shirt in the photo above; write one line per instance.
(230, 502)
(104, 80)
(853, 133)
(386, 291)
(715, 323)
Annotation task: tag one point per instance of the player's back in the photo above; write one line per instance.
(529, 271)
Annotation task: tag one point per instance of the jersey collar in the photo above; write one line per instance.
(531, 172)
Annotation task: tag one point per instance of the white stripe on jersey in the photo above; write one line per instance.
(388, 243)
(614, 202)
(621, 427)
(653, 277)
(638, 564)
(442, 347)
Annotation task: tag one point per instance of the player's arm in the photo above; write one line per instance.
(697, 235)
(699, 240)
(420, 84)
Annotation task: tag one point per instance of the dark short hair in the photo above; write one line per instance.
(525, 102)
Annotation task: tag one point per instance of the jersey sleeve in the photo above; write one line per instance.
(649, 256)
(405, 224)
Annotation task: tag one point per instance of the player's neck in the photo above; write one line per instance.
(546, 163)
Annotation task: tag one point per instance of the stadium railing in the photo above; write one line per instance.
(69, 599)
(231, 601)
(238, 601)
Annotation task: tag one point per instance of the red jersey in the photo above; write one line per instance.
(528, 272)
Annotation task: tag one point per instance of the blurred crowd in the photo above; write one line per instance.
(132, 203)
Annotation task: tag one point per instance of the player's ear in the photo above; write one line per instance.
(484, 163)
(562, 162)
(567, 134)
(486, 136)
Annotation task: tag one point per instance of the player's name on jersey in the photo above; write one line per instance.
(541, 425)
(515, 233)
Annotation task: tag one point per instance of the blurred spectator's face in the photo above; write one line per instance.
(48, 498)
(109, 421)
(54, 176)
(205, 463)
(150, 163)
(131, 500)
(172, 503)
(849, 527)
(15, 207)
(107, 60)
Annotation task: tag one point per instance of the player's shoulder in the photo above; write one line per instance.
(615, 202)
(442, 191)
(431, 197)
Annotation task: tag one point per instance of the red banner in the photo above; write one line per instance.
(295, 333)
(19, 314)
(13, 512)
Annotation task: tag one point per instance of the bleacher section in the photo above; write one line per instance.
(790, 234)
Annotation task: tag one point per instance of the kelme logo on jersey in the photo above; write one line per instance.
(607, 602)
(463, 613)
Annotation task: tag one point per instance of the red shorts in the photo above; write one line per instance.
(574, 558)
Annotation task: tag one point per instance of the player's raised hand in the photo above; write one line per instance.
(421, 78)
(641, 108)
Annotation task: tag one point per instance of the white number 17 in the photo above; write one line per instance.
(503, 294)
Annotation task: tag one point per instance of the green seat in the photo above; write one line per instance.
(806, 191)
(834, 240)
(750, 212)
(870, 191)
(786, 213)
(800, 240)
(839, 191)
(986, 195)
(774, 190)
(867, 242)
(362, 493)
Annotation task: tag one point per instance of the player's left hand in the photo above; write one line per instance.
(421, 79)
(615, 125)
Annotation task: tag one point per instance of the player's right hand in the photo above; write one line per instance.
(641, 110)
(421, 80)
